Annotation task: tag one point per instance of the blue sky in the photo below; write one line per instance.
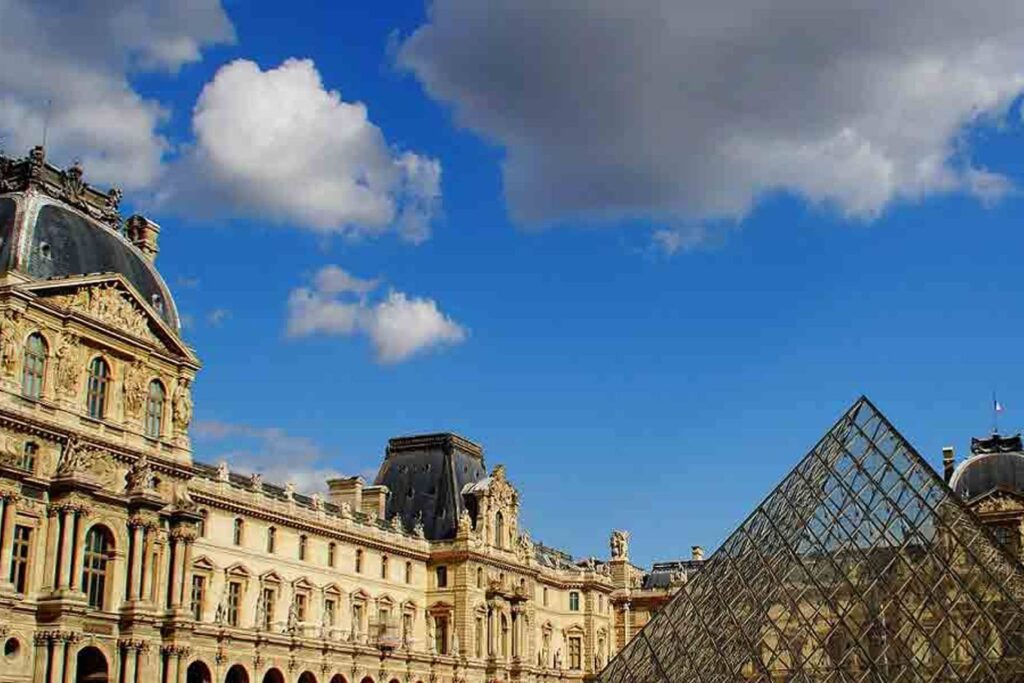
(639, 359)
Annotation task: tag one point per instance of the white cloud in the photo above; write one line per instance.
(681, 110)
(217, 316)
(277, 144)
(279, 456)
(398, 326)
(67, 62)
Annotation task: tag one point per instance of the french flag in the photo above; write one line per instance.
(997, 406)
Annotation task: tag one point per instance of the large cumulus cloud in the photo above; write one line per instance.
(685, 110)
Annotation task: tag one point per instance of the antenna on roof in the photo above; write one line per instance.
(46, 120)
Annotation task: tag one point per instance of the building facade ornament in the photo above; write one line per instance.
(110, 305)
(619, 545)
(182, 405)
(69, 363)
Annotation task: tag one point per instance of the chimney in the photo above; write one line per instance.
(697, 553)
(346, 490)
(375, 501)
(143, 233)
(948, 463)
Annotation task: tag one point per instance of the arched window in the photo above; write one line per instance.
(303, 545)
(95, 560)
(383, 566)
(238, 531)
(359, 561)
(155, 409)
(271, 539)
(332, 549)
(479, 577)
(96, 394)
(408, 572)
(499, 530)
(34, 367)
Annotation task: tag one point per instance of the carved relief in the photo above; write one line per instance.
(69, 363)
(111, 305)
(139, 478)
(999, 504)
(75, 458)
(135, 389)
(619, 544)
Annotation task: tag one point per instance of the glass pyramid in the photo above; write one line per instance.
(861, 565)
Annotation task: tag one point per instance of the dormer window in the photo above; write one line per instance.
(158, 303)
(45, 251)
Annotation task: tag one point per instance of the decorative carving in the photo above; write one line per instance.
(182, 405)
(289, 492)
(318, 502)
(620, 545)
(110, 305)
(69, 362)
(135, 388)
(183, 499)
(256, 482)
(997, 503)
(75, 458)
(346, 511)
(396, 523)
(10, 332)
(223, 473)
(72, 184)
(465, 523)
(140, 476)
(418, 529)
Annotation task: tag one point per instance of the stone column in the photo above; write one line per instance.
(60, 647)
(182, 661)
(147, 562)
(70, 658)
(135, 566)
(174, 546)
(184, 598)
(131, 662)
(66, 540)
(50, 567)
(8, 515)
(625, 622)
(78, 548)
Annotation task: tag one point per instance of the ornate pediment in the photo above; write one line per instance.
(998, 501)
(111, 305)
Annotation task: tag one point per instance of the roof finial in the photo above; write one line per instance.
(997, 408)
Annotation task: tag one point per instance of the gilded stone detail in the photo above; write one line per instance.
(109, 304)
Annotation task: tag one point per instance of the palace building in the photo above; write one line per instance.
(124, 559)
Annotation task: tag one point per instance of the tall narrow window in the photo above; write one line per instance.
(575, 653)
(332, 551)
(408, 572)
(300, 606)
(22, 542)
(574, 601)
(234, 602)
(329, 612)
(357, 619)
(238, 532)
(155, 409)
(478, 641)
(303, 545)
(441, 634)
(28, 456)
(407, 627)
(271, 540)
(479, 577)
(95, 561)
(442, 576)
(359, 561)
(34, 367)
(267, 604)
(499, 530)
(545, 594)
(383, 566)
(96, 394)
(198, 596)
(201, 524)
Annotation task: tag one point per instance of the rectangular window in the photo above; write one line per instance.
(408, 572)
(575, 653)
(574, 601)
(329, 612)
(407, 628)
(545, 596)
(271, 540)
(300, 606)
(441, 634)
(234, 602)
(267, 605)
(331, 552)
(28, 457)
(198, 596)
(479, 639)
(442, 576)
(357, 619)
(384, 566)
(303, 544)
(20, 547)
(201, 525)
(237, 537)
(359, 561)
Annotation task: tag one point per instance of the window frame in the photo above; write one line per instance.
(155, 408)
(96, 565)
(21, 557)
(441, 576)
(97, 391)
(33, 367)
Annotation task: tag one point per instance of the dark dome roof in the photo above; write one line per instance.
(46, 239)
(986, 472)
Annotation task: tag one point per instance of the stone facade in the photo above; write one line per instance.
(124, 560)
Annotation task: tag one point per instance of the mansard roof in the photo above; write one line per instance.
(53, 225)
(861, 565)
(996, 463)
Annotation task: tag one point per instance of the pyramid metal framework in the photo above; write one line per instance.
(861, 565)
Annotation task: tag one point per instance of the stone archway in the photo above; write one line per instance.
(366, 679)
(237, 674)
(92, 666)
(307, 677)
(273, 675)
(198, 672)
(338, 678)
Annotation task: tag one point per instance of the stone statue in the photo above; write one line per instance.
(67, 364)
(396, 523)
(9, 342)
(293, 617)
(289, 492)
(346, 510)
(256, 482)
(318, 502)
(455, 644)
(620, 545)
(139, 478)
(418, 529)
(183, 499)
(135, 388)
(182, 405)
(558, 658)
(223, 472)
(465, 523)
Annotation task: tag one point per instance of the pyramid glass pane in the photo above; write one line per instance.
(861, 565)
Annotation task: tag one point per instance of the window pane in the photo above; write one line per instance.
(96, 396)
